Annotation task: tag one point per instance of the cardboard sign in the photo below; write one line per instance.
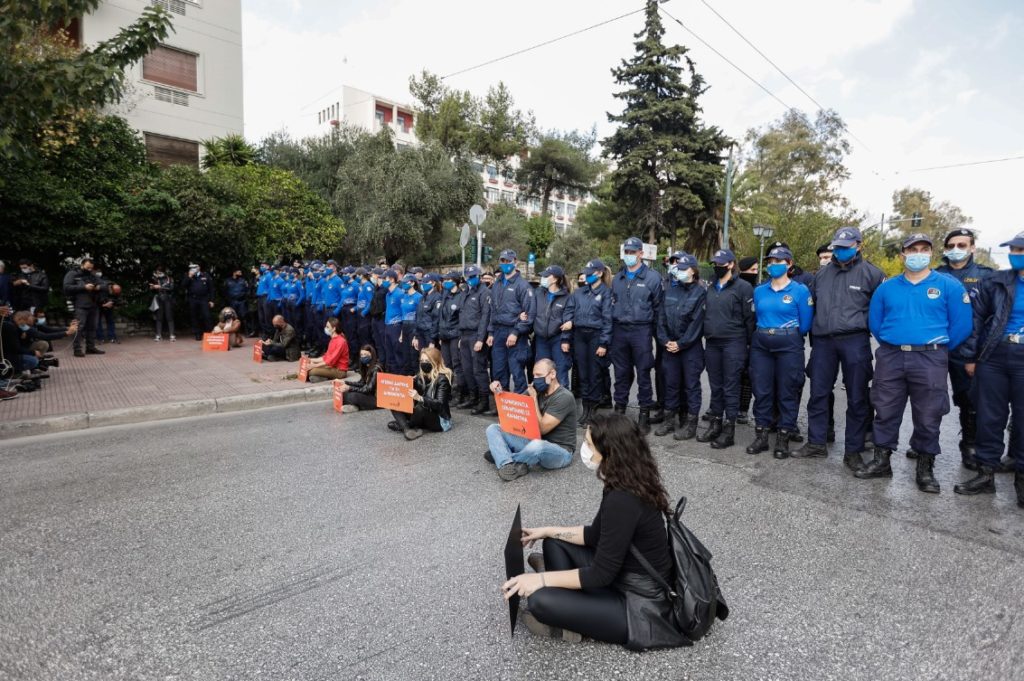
(303, 369)
(257, 351)
(517, 415)
(337, 396)
(393, 392)
(216, 342)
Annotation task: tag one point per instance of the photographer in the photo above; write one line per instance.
(31, 288)
(34, 341)
(82, 286)
(162, 285)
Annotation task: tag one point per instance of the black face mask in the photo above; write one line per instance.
(749, 277)
(426, 367)
(721, 271)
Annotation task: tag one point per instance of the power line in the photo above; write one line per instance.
(726, 59)
(961, 165)
(538, 45)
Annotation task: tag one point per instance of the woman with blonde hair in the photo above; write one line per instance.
(431, 394)
(229, 323)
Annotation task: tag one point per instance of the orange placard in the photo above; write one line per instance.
(303, 369)
(393, 392)
(337, 395)
(215, 342)
(518, 415)
(257, 351)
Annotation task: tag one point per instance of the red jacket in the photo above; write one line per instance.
(337, 353)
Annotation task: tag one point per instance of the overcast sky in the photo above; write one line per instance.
(921, 83)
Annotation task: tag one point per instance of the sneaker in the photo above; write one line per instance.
(158, 339)
(7, 395)
(349, 409)
(413, 433)
(172, 339)
(513, 470)
(538, 628)
(488, 457)
(393, 425)
(79, 353)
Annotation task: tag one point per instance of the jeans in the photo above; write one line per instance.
(507, 448)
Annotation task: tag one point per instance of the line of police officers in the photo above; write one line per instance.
(638, 321)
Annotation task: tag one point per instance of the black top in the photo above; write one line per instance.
(624, 519)
(727, 311)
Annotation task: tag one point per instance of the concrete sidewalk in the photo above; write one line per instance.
(142, 380)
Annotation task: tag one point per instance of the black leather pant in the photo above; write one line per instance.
(364, 402)
(421, 418)
(597, 613)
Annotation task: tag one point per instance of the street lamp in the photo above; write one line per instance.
(762, 232)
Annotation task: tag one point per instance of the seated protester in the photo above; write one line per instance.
(333, 363)
(588, 583)
(284, 345)
(46, 332)
(361, 395)
(431, 394)
(32, 340)
(556, 413)
(229, 323)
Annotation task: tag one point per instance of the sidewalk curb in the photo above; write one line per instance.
(159, 412)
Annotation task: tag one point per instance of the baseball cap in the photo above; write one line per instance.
(593, 266)
(451, 275)
(781, 253)
(777, 244)
(390, 274)
(686, 261)
(348, 269)
(377, 271)
(411, 278)
(824, 248)
(960, 231)
(915, 238)
(415, 270)
(553, 270)
(678, 255)
(633, 244)
(845, 237)
(432, 276)
(723, 257)
(507, 254)
(472, 271)
(332, 261)
(747, 262)
(1015, 242)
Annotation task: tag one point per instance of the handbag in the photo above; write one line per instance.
(155, 305)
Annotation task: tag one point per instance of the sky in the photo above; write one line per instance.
(919, 83)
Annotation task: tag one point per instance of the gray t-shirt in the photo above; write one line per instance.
(562, 405)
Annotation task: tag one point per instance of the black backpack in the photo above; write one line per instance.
(695, 596)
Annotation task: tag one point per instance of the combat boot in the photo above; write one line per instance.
(588, 411)
(983, 483)
(669, 425)
(925, 477)
(688, 429)
(811, 451)
(853, 461)
(713, 431)
(968, 430)
(658, 416)
(782, 441)
(760, 443)
(878, 467)
(644, 420)
(727, 438)
(481, 406)
(492, 406)
(620, 409)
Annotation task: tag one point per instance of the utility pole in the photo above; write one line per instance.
(881, 232)
(728, 200)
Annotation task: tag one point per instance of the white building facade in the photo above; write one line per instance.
(189, 88)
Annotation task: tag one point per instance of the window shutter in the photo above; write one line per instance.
(168, 151)
(171, 67)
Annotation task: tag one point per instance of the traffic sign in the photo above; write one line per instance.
(477, 215)
(464, 237)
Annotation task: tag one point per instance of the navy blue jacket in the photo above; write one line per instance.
(451, 308)
(236, 289)
(428, 316)
(475, 315)
(991, 310)
(552, 314)
(198, 288)
(636, 300)
(842, 294)
(970, 275)
(509, 299)
(729, 312)
(681, 318)
(592, 309)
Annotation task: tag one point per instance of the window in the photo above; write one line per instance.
(571, 209)
(168, 151)
(379, 116)
(492, 195)
(508, 197)
(169, 66)
(478, 167)
(492, 172)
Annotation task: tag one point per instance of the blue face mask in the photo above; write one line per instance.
(263, 268)
(473, 281)
(364, 359)
(918, 261)
(540, 384)
(629, 259)
(448, 285)
(844, 254)
(592, 278)
(507, 268)
(427, 288)
(1017, 261)
(385, 283)
(406, 286)
(777, 269)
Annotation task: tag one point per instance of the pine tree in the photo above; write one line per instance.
(661, 143)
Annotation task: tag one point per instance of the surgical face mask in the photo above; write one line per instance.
(823, 261)
(777, 269)
(916, 262)
(592, 278)
(844, 254)
(40, 320)
(263, 268)
(385, 283)
(98, 274)
(545, 282)
(1017, 261)
(406, 285)
(630, 259)
(26, 270)
(192, 270)
(721, 271)
(507, 268)
(426, 367)
(540, 384)
(364, 359)
(328, 330)
(587, 456)
(683, 276)
(955, 255)
(448, 285)
(24, 327)
(427, 288)
(473, 281)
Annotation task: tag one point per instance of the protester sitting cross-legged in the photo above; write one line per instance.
(588, 582)
(556, 414)
(334, 363)
(284, 345)
(361, 395)
(431, 394)
(229, 323)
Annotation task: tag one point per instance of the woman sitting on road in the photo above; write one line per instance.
(431, 394)
(361, 395)
(587, 579)
(334, 363)
(229, 323)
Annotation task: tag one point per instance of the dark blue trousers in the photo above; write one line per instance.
(509, 362)
(393, 358)
(410, 356)
(591, 368)
(726, 360)
(364, 332)
(377, 328)
(551, 348)
(309, 327)
(1000, 378)
(681, 371)
(293, 315)
(349, 324)
(920, 376)
(261, 316)
(633, 350)
(828, 353)
(962, 384)
(776, 377)
(474, 365)
(271, 308)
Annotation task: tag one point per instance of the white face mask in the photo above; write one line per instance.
(683, 276)
(329, 331)
(587, 455)
(545, 282)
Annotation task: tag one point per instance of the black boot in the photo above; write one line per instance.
(713, 431)
(644, 421)
(481, 405)
(467, 401)
(688, 428)
(911, 453)
(760, 443)
(727, 438)
(402, 420)
(853, 461)
(878, 467)
(983, 483)
(492, 406)
(1018, 485)
(925, 477)
(588, 411)
(795, 436)
(669, 425)
(968, 429)
(706, 417)
(658, 416)
(811, 451)
(782, 440)
(620, 409)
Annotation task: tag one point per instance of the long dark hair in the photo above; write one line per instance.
(365, 369)
(626, 460)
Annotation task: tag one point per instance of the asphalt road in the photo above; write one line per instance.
(294, 543)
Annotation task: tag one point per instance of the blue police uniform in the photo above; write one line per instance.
(553, 310)
(364, 296)
(728, 325)
(237, 292)
(681, 320)
(410, 302)
(511, 296)
(347, 309)
(474, 318)
(636, 299)
(448, 336)
(293, 293)
(393, 358)
(262, 289)
(591, 330)
(272, 306)
(330, 298)
(428, 318)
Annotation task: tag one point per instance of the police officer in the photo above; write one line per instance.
(917, 317)
(636, 301)
(364, 296)
(199, 295)
(842, 292)
(330, 298)
(473, 352)
(263, 277)
(428, 314)
(552, 329)
(824, 254)
(728, 325)
(293, 293)
(394, 359)
(311, 305)
(346, 312)
(749, 272)
(410, 300)
(592, 335)
(511, 296)
(796, 273)
(448, 336)
(236, 290)
(998, 350)
(785, 310)
(378, 307)
(679, 331)
(274, 297)
(958, 262)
